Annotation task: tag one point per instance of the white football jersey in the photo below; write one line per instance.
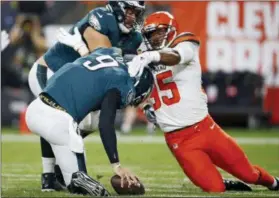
(178, 98)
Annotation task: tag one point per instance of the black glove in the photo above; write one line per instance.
(150, 114)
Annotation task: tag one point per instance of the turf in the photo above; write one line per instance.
(153, 163)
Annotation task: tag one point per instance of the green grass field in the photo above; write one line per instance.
(147, 156)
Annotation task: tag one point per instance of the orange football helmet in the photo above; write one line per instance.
(159, 30)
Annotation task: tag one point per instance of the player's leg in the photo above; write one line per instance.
(89, 124)
(130, 115)
(187, 149)
(37, 80)
(54, 126)
(226, 154)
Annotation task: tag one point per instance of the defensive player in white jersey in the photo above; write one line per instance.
(180, 105)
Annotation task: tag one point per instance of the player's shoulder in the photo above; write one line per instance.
(103, 15)
(102, 12)
(185, 36)
(102, 19)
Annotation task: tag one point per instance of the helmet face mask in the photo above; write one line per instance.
(159, 30)
(157, 38)
(143, 87)
(129, 14)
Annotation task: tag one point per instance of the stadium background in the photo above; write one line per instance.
(239, 54)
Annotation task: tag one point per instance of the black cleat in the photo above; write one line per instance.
(236, 185)
(81, 183)
(48, 180)
(49, 183)
(59, 177)
(277, 187)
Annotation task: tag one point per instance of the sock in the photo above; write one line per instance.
(126, 128)
(48, 165)
(274, 185)
(265, 178)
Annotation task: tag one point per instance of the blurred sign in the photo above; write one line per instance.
(236, 36)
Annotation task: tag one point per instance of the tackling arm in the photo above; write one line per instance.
(180, 54)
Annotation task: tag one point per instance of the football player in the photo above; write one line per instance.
(113, 25)
(99, 81)
(196, 141)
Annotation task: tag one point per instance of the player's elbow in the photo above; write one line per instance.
(186, 52)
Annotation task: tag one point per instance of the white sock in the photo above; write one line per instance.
(274, 183)
(48, 165)
(126, 128)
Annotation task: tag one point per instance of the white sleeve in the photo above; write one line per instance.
(186, 50)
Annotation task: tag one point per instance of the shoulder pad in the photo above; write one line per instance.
(185, 36)
(100, 19)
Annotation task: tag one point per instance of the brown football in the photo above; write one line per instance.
(133, 190)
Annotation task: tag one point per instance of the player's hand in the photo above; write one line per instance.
(125, 174)
(140, 61)
(150, 114)
(4, 40)
(75, 41)
(136, 66)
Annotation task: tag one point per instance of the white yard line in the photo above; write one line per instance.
(137, 139)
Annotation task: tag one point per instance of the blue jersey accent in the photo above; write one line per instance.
(102, 21)
(80, 87)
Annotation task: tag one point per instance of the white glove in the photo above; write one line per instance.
(4, 40)
(136, 66)
(75, 41)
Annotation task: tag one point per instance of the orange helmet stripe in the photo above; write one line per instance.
(185, 37)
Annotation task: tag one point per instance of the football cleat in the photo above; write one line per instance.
(236, 185)
(81, 183)
(49, 183)
(277, 187)
(59, 182)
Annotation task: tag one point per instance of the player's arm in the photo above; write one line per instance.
(95, 39)
(182, 53)
(109, 107)
(94, 35)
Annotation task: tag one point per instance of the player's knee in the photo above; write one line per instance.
(250, 178)
(214, 188)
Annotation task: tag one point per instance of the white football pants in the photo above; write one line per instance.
(53, 125)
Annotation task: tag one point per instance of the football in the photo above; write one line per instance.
(133, 190)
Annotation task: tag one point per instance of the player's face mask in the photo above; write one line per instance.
(143, 87)
(131, 15)
(157, 38)
(159, 30)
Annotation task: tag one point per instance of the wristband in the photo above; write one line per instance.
(115, 166)
(155, 56)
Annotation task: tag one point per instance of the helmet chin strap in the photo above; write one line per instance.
(123, 28)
